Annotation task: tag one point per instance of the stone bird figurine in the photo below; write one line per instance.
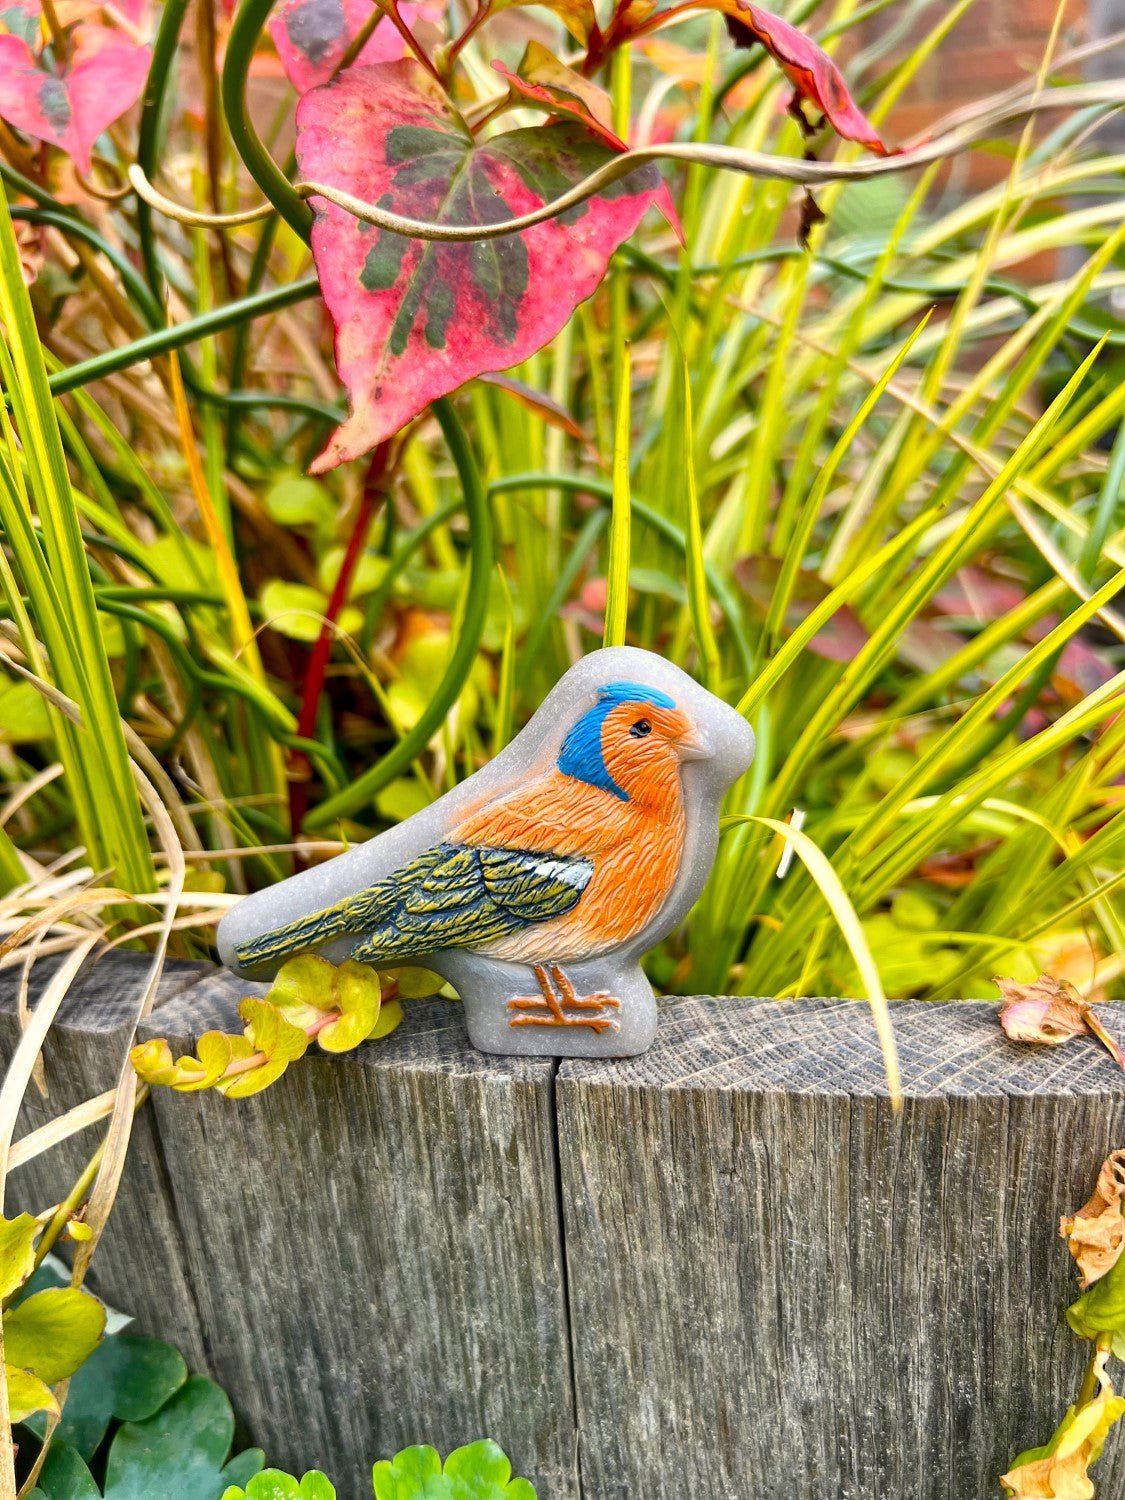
(563, 860)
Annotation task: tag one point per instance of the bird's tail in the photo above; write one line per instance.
(299, 936)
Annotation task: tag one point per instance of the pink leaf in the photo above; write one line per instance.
(312, 36)
(103, 79)
(21, 18)
(416, 319)
(813, 74)
(544, 81)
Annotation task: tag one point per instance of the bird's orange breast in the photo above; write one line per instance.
(636, 852)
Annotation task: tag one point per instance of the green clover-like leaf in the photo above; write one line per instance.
(273, 1484)
(478, 1471)
(128, 1377)
(181, 1451)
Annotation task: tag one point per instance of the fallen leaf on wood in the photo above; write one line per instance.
(1095, 1235)
(1050, 1012)
(1059, 1469)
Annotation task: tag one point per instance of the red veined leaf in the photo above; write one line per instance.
(312, 36)
(544, 81)
(103, 79)
(814, 76)
(415, 319)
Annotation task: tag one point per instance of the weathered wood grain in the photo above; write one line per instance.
(137, 1268)
(375, 1248)
(721, 1269)
(780, 1289)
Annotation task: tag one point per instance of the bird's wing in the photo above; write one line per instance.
(451, 896)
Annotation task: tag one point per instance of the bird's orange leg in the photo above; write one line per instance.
(548, 1011)
(573, 1001)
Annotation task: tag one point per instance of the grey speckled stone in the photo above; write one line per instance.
(485, 983)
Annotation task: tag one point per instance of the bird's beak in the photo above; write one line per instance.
(694, 746)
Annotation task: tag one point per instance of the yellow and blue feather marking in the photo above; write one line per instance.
(451, 896)
(460, 895)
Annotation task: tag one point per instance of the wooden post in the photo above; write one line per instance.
(724, 1268)
(375, 1248)
(780, 1289)
(85, 1051)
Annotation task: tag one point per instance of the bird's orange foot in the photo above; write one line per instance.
(551, 1007)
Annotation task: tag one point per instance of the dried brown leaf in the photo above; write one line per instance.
(1050, 1012)
(1096, 1233)
(1060, 1469)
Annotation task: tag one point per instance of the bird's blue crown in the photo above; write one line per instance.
(581, 754)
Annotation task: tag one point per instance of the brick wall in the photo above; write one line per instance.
(997, 44)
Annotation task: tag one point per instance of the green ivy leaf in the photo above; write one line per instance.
(53, 1332)
(272, 1484)
(1102, 1308)
(17, 1251)
(478, 1471)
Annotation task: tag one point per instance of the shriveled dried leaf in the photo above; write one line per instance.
(578, 16)
(815, 77)
(1095, 1235)
(1060, 1469)
(1050, 1012)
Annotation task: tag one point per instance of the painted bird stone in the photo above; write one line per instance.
(536, 885)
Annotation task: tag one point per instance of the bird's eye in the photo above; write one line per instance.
(640, 728)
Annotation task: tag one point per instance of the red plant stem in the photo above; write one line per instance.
(479, 16)
(374, 492)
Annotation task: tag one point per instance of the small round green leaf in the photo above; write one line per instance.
(53, 1332)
